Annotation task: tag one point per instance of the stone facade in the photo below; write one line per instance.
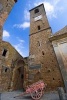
(12, 68)
(5, 8)
(11, 63)
(59, 41)
(42, 59)
(45, 62)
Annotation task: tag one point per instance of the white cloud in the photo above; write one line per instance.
(49, 9)
(26, 15)
(6, 33)
(55, 2)
(26, 23)
(19, 47)
(20, 40)
(23, 25)
(52, 7)
(19, 50)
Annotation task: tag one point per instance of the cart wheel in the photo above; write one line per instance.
(36, 95)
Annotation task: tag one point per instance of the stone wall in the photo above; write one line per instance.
(11, 63)
(59, 41)
(43, 64)
(5, 8)
(12, 68)
(45, 57)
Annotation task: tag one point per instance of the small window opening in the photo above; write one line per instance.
(4, 52)
(36, 11)
(5, 69)
(39, 43)
(38, 27)
(42, 52)
(49, 70)
(53, 79)
(22, 76)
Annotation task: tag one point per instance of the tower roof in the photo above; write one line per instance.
(37, 7)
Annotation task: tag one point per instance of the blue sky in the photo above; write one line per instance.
(16, 28)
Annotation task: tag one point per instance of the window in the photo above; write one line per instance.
(42, 52)
(39, 43)
(49, 70)
(53, 79)
(22, 76)
(39, 27)
(6, 69)
(36, 11)
(4, 52)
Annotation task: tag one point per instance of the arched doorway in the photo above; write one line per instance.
(18, 75)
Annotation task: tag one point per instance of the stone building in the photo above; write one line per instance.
(11, 63)
(47, 57)
(12, 68)
(59, 41)
(5, 8)
(43, 63)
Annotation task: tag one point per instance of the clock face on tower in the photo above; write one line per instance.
(38, 18)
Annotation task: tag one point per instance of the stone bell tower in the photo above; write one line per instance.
(42, 60)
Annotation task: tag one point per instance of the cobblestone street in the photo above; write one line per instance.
(46, 96)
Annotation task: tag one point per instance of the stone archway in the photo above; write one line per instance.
(18, 75)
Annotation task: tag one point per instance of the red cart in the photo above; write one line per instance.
(35, 90)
